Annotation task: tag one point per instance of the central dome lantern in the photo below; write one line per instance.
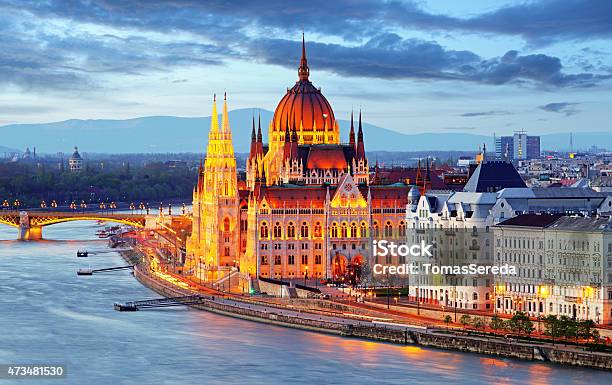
(305, 108)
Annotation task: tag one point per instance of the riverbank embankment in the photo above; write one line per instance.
(434, 338)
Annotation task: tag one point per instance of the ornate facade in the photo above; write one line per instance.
(307, 208)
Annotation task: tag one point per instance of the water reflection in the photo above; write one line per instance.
(52, 315)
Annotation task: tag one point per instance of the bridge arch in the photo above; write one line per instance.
(30, 224)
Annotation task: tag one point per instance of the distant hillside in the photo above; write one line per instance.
(161, 134)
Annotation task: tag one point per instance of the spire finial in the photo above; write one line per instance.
(214, 117)
(225, 128)
(352, 132)
(303, 70)
(253, 136)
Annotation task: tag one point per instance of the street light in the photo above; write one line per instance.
(54, 204)
(305, 275)
(43, 204)
(83, 206)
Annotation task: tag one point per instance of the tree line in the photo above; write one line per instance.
(557, 328)
(32, 184)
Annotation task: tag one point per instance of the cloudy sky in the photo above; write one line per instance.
(412, 66)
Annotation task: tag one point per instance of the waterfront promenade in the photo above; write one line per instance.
(363, 321)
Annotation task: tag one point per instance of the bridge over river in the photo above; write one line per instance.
(30, 223)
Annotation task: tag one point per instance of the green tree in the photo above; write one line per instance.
(465, 320)
(447, 320)
(497, 323)
(567, 327)
(552, 327)
(479, 323)
(585, 329)
(520, 323)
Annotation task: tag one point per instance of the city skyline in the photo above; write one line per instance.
(412, 67)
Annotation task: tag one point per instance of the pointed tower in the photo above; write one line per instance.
(214, 237)
(360, 147)
(361, 168)
(426, 186)
(303, 70)
(253, 151)
(352, 133)
(417, 179)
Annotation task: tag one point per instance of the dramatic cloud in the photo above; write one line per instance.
(388, 56)
(541, 21)
(564, 108)
(37, 59)
(157, 35)
(548, 20)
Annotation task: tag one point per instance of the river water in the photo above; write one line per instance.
(49, 315)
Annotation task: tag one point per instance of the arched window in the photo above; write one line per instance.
(304, 230)
(317, 230)
(344, 230)
(291, 230)
(278, 230)
(388, 229)
(334, 230)
(353, 230)
(363, 232)
(375, 230)
(475, 296)
(226, 224)
(226, 188)
(263, 230)
(402, 229)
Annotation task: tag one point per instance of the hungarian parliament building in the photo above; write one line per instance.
(311, 206)
(307, 207)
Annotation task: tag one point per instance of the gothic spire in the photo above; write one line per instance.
(303, 70)
(253, 136)
(352, 133)
(214, 118)
(225, 128)
(259, 136)
(360, 151)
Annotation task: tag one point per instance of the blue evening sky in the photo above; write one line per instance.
(412, 66)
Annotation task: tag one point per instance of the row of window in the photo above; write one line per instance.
(290, 259)
(342, 231)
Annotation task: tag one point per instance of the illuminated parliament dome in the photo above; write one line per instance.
(305, 108)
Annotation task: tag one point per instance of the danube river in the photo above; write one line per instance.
(49, 315)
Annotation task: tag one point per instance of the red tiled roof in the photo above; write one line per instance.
(294, 196)
(326, 157)
(402, 174)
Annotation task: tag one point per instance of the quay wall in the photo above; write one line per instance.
(433, 339)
